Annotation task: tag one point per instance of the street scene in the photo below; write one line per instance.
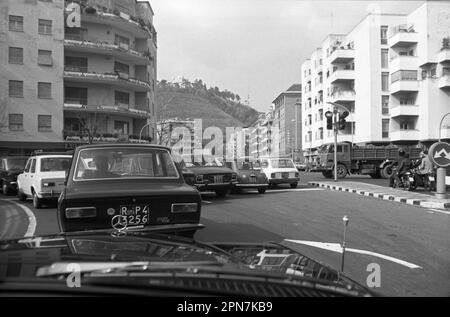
(124, 173)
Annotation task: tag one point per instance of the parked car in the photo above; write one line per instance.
(43, 177)
(10, 168)
(209, 175)
(280, 170)
(136, 185)
(249, 175)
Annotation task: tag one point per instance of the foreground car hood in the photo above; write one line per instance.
(159, 253)
(209, 170)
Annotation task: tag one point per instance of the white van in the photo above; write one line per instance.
(280, 170)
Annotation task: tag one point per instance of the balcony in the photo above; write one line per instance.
(404, 135)
(342, 75)
(404, 110)
(78, 137)
(81, 75)
(444, 82)
(342, 95)
(116, 50)
(444, 56)
(404, 81)
(402, 36)
(340, 56)
(80, 105)
(403, 62)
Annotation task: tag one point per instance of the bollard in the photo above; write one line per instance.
(440, 183)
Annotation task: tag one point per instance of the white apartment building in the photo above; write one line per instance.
(390, 71)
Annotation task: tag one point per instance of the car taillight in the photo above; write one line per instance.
(81, 212)
(184, 207)
(48, 184)
(199, 178)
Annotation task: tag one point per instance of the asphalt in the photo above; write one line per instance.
(410, 244)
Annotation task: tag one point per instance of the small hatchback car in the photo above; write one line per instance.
(280, 170)
(118, 186)
(249, 175)
(43, 177)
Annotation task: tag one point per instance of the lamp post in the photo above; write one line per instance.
(440, 125)
(142, 130)
(345, 220)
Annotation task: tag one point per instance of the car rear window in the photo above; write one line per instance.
(282, 163)
(55, 164)
(121, 162)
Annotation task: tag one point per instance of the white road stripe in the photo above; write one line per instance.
(441, 211)
(336, 247)
(31, 218)
(293, 190)
(206, 202)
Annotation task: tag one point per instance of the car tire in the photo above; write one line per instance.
(294, 185)
(327, 174)
(21, 195)
(386, 172)
(261, 190)
(221, 193)
(341, 171)
(37, 202)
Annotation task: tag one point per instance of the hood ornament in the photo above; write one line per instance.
(120, 224)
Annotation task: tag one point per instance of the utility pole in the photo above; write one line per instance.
(335, 128)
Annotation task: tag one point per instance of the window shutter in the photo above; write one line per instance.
(16, 88)
(45, 90)
(15, 55)
(44, 123)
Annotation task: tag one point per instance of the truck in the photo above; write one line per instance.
(376, 161)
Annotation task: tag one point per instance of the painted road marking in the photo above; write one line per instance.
(441, 211)
(336, 247)
(31, 218)
(206, 202)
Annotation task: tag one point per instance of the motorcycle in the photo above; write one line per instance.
(411, 179)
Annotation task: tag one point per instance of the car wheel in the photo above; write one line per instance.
(294, 185)
(341, 171)
(327, 174)
(386, 172)
(37, 203)
(221, 193)
(21, 195)
(261, 190)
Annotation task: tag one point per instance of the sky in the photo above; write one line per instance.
(252, 47)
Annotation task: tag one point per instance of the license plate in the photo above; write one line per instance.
(252, 179)
(285, 175)
(291, 175)
(431, 178)
(218, 179)
(135, 214)
(411, 179)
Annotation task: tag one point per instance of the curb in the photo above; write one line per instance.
(404, 200)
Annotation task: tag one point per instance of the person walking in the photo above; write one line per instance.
(398, 162)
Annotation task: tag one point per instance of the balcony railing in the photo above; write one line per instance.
(68, 105)
(408, 75)
(113, 78)
(77, 136)
(402, 28)
(75, 68)
(75, 101)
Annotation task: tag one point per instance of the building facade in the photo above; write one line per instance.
(287, 121)
(390, 72)
(68, 83)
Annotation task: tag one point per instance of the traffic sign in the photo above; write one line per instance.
(439, 154)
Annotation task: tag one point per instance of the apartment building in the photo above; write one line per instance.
(390, 72)
(287, 120)
(67, 84)
(31, 81)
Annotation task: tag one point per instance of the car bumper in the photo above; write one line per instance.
(170, 228)
(284, 180)
(251, 185)
(53, 194)
(12, 185)
(214, 186)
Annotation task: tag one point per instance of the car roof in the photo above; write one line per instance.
(115, 145)
(52, 155)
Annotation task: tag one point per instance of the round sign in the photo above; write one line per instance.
(439, 154)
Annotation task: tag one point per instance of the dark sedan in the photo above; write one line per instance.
(209, 177)
(10, 167)
(127, 185)
(249, 175)
(139, 263)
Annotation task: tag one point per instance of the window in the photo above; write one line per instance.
(385, 104)
(122, 41)
(404, 75)
(16, 23)
(15, 122)
(384, 58)
(383, 34)
(76, 95)
(122, 69)
(76, 64)
(16, 88)
(44, 123)
(33, 166)
(385, 128)
(385, 81)
(121, 127)
(406, 125)
(45, 27)
(122, 98)
(45, 58)
(16, 55)
(27, 167)
(44, 90)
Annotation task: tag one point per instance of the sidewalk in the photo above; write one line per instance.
(386, 193)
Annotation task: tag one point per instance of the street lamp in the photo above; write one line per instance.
(345, 220)
(142, 130)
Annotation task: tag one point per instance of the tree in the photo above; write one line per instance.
(90, 123)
